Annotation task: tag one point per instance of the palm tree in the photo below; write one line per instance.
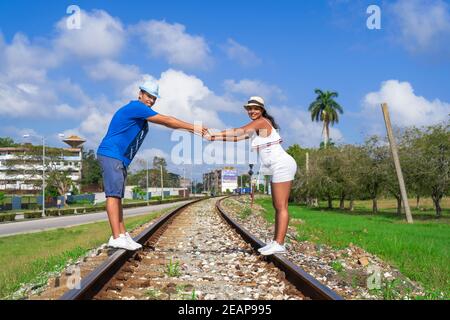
(325, 109)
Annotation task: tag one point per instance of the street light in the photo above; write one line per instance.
(43, 171)
(146, 190)
(25, 136)
(162, 183)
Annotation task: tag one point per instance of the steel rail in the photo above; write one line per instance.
(303, 281)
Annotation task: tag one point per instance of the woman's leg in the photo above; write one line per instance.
(280, 199)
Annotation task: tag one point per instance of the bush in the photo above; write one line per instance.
(83, 202)
(65, 212)
(52, 212)
(134, 205)
(7, 217)
(32, 214)
(51, 191)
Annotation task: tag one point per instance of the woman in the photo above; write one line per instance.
(265, 139)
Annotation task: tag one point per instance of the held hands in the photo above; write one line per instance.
(202, 131)
(205, 133)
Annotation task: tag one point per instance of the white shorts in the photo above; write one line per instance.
(277, 163)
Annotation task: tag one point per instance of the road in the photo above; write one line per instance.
(38, 225)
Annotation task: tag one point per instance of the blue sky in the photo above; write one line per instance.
(210, 56)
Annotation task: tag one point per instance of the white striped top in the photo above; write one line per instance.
(259, 142)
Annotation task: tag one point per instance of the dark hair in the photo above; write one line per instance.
(270, 118)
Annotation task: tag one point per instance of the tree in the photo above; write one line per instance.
(158, 162)
(373, 179)
(299, 191)
(91, 172)
(199, 187)
(139, 178)
(432, 150)
(350, 170)
(7, 142)
(322, 180)
(245, 178)
(60, 180)
(415, 177)
(327, 110)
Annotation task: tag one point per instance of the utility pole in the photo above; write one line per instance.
(398, 169)
(43, 176)
(250, 172)
(308, 200)
(184, 181)
(43, 171)
(162, 184)
(146, 190)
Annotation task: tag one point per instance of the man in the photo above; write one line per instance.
(125, 135)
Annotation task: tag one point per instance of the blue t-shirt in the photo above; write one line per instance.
(126, 132)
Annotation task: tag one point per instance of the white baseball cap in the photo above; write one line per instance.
(151, 87)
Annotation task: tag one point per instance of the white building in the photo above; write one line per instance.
(221, 180)
(22, 173)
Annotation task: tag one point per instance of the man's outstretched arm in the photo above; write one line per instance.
(175, 123)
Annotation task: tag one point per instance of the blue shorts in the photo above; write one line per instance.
(114, 175)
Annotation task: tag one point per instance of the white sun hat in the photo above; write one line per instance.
(151, 87)
(255, 102)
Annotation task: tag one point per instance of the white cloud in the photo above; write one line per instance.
(93, 128)
(25, 100)
(172, 42)
(149, 154)
(42, 99)
(405, 107)
(17, 133)
(182, 96)
(241, 54)
(296, 127)
(423, 25)
(100, 36)
(23, 60)
(25, 88)
(113, 70)
(187, 98)
(254, 88)
(140, 161)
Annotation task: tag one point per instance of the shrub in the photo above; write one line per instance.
(52, 212)
(65, 212)
(32, 214)
(7, 217)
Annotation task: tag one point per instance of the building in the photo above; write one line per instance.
(21, 171)
(222, 180)
(185, 183)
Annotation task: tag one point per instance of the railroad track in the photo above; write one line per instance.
(191, 253)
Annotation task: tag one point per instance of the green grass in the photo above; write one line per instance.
(420, 251)
(28, 258)
(389, 207)
(173, 269)
(245, 213)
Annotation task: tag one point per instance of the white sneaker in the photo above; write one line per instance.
(267, 246)
(274, 248)
(121, 243)
(133, 243)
